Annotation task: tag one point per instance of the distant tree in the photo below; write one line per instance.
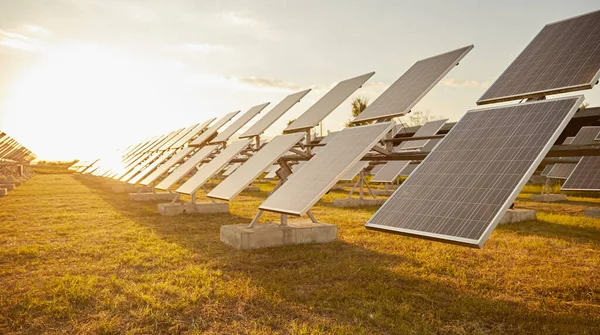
(418, 118)
(358, 106)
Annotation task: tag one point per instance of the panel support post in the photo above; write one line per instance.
(308, 141)
(311, 216)
(284, 220)
(194, 197)
(256, 217)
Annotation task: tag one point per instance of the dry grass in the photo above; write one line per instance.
(76, 258)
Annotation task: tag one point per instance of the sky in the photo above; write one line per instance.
(81, 78)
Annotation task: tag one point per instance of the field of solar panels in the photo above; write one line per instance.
(77, 258)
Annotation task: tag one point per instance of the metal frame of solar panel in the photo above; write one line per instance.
(239, 123)
(460, 191)
(563, 57)
(305, 187)
(327, 104)
(255, 166)
(412, 86)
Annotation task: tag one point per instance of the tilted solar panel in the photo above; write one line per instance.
(408, 170)
(460, 192)
(563, 170)
(412, 86)
(563, 57)
(180, 155)
(390, 171)
(306, 186)
(327, 104)
(186, 167)
(428, 129)
(210, 132)
(231, 169)
(239, 123)
(585, 176)
(354, 170)
(546, 169)
(195, 132)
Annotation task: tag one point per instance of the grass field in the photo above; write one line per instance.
(76, 258)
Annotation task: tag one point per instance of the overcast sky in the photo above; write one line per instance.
(78, 77)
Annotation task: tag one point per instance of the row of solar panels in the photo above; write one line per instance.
(12, 151)
(458, 193)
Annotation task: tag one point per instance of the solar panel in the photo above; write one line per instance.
(376, 169)
(585, 176)
(408, 170)
(137, 168)
(563, 170)
(390, 171)
(327, 104)
(354, 170)
(253, 167)
(298, 166)
(460, 192)
(151, 167)
(167, 144)
(563, 57)
(569, 140)
(325, 140)
(428, 129)
(430, 145)
(546, 169)
(274, 114)
(586, 135)
(231, 169)
(181, 154)
(272, 172)
(186, 167)
(412, 86)
(195, 132)
(171, 144)
(214, 166)
(305, 187)
(239, 123)
(205, 136)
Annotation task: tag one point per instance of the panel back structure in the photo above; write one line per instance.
(327, 104)
(253, 167)
(412, 86)
(178, 157)
(563, 57)
(186, 167)
(239, 123)
(211, 168)
(305, 187)
(210, 132)
(274, 114)
(428, 129)
(460, 192)
(354, 171)
(389, 172)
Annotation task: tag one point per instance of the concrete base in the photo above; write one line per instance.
(355, 202)
(518, 215)
(171, 209)
(385, 193)
(592, 213)
(153, 196)
(548, 197)
(9, 187)
(130, 189)
(273, 235)
(3, 192)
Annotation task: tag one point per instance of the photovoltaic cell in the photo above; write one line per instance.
(585, 176)
(274, 114)
(327, 104)
(214, 166)
(460, 192)
(412, 86)
(178, 157)
(546, 169)
(205, 136)
(563, 57)
(354, 170)
(305, 187)
(428, 129)
(408, 170)
(239, 123)
(390, 171)
(253, 167)
(185, 167)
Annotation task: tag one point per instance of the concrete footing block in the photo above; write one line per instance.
(153, 196)
(130, 189)
(273, 235)
(355, 202)
(518, 215)
(8, 187)
(592, 213)
(548, 197)
(177, 208)
(3, 192)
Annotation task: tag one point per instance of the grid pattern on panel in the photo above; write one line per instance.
(389, 171)
(564, 56)
(185, 167)
(354, 170)
(239, 123)
(428, 129)
(274, 114)
(328, 103)
(585, 176)
(399, 98)
(561, 171)
(205, 136)
(166, 166)
(546, 169)
(408, 170)
(306, 186)
(253, 167)
(462, 189)
(214, 166)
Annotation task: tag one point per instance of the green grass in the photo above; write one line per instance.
(76, 258)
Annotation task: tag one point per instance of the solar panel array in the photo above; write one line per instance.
(195, 132)
(239, 123)
(178, 157)
(186, 167)
(390, 171)
(305, 187)
(563, 57)
(210, 132)
(428, 129)
(412, 86)
(563, 170)
(585, 176)
(461, 191)
(253, 167)
(274, 114)
(327, 104)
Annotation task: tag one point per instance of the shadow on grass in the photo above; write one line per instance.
(553, 230)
